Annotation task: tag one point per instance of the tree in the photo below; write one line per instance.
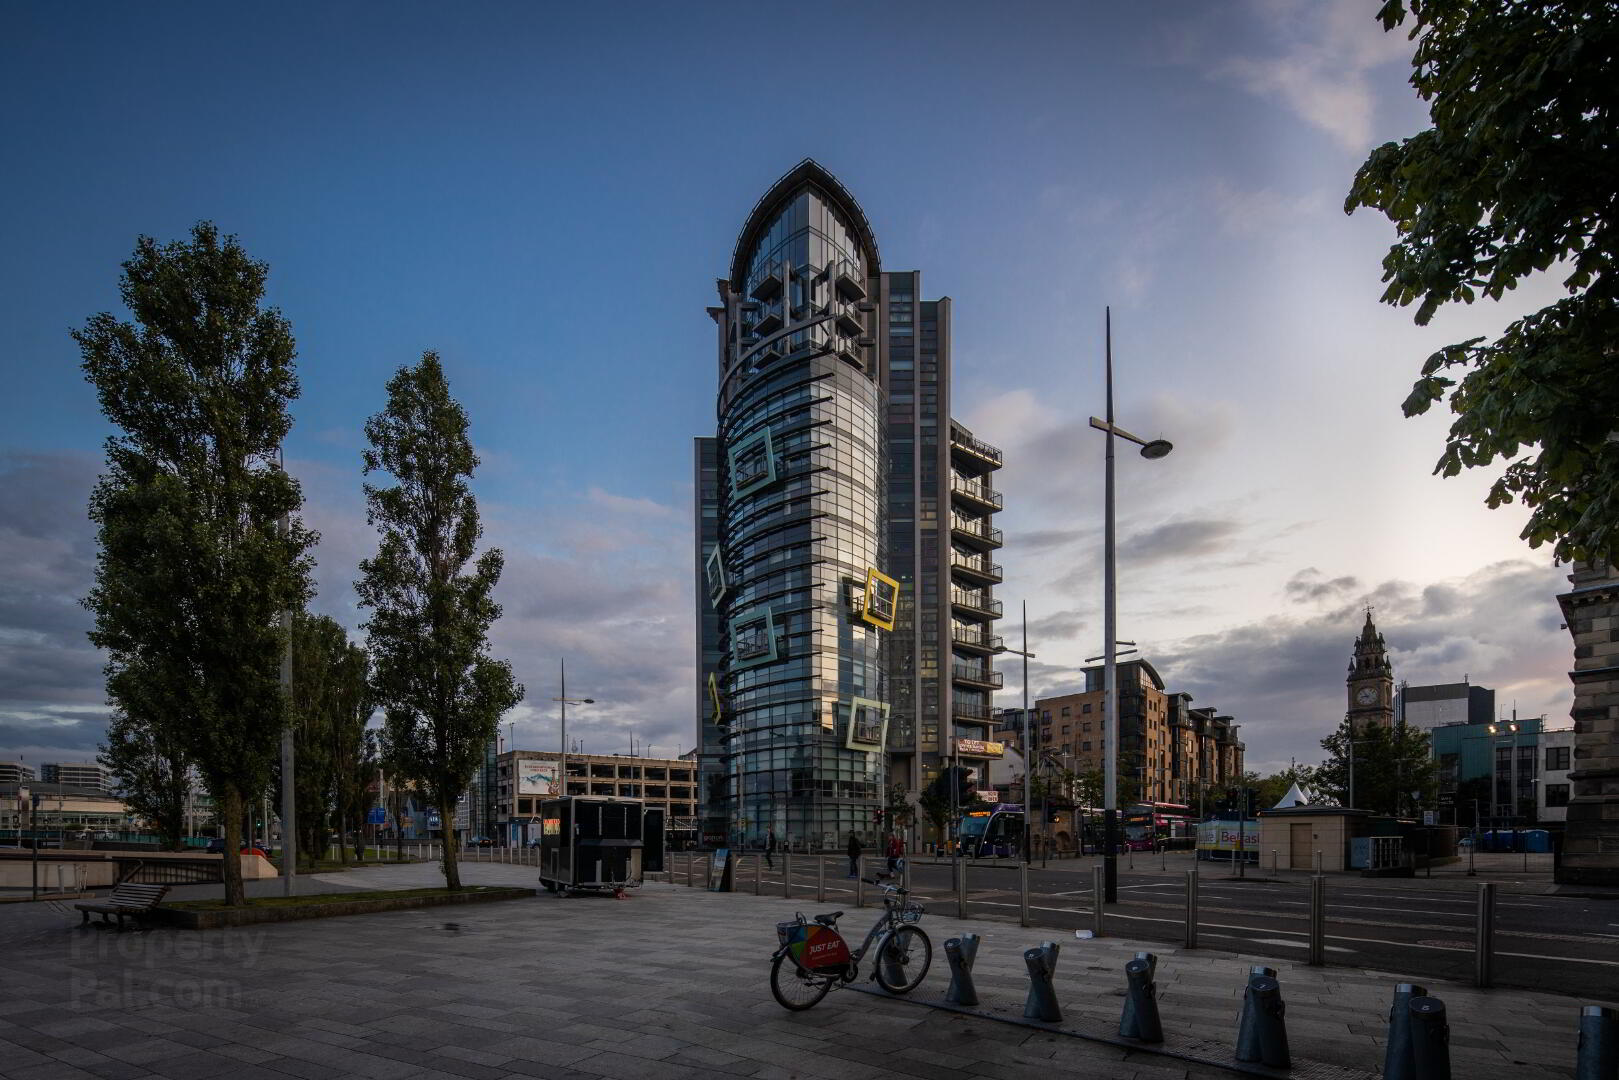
(143, 755)
(441, 694)
(1393, 768)
(899, 814)
(193, 569)
(1273, 788)
(1518, 174)
(330, 703)
(936, 809)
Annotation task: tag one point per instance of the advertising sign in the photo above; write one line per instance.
(980, 748)
(716, 870)
(376, 816)
(1222, 836)
(536, 777)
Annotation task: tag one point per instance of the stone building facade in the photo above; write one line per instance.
(1591, 613)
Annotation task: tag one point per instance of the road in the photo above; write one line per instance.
(1411, 927)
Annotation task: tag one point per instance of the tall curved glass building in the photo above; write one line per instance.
(814, 639)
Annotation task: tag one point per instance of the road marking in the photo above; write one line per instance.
(1279, 941)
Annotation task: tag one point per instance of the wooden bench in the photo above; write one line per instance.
(126, 902)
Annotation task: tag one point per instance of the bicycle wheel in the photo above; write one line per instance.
(792, 988)
(903, 960)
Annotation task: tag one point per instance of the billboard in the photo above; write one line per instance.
(1222, 836)
(536, 777)
(977, 747)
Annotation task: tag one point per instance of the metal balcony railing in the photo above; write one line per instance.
(974, 446)
(975, 601)
(974, 564)
(975, 639)
(976, 529)
(971, 711)
(970, 673)
(982, 493)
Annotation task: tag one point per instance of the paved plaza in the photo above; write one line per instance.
(670, 983)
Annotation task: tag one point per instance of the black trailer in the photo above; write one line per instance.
(604, 844)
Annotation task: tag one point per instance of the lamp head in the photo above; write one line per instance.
(1157, 448)
(588, 701)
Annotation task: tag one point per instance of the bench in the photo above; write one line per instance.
(126, 902)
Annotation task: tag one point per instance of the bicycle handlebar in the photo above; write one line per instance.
(885, 885)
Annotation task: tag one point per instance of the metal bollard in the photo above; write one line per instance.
(1163, 857)
(758, 875)
(1598, 1057)
(1023, 893)
(1430, 1039)
(820, 879)
(1318, 922)
(860, 883)
(1484, 936)
(961, 952)
(1098, 895)
(1262, 1032)
(1041, 1003)
(1273, 862)
(1398, 1064)
(787, 874)
(1140, 1019)
(1318, 864)
(961, 888)
(1191, 909)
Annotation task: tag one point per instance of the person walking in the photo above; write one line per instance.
(770, 849)
(854, 850)
(896, 852)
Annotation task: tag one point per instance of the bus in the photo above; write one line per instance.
(1146, 826)
(993, 833)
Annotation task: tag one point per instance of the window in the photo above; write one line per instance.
(1085, 708)
(1557, 761)
(1557, 794)
(1065, 710)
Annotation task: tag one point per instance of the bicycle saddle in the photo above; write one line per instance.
(828, 920)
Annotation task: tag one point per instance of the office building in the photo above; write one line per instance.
(1591, 613)
(90, 775)
(1556, 761)
(844, 535)
(15, 772)
(1488, 771)
(524, 778)
(1428, 707)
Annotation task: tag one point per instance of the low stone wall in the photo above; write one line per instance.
(192, 919)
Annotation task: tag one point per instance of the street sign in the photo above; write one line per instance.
(376, 816)
(1430, 817)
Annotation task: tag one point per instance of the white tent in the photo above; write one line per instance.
(1296, 796)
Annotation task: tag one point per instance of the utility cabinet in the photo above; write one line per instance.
(598, 843)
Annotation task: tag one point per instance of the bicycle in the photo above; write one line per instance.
(814, 959)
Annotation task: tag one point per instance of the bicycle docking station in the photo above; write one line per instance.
(1262, 1030)
(1599, 1044)
(1041, 1003)
(961, 952)
(1140, 1019)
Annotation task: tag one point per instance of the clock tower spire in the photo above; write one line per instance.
(1371, 680)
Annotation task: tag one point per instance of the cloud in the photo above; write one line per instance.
(1308, 586)
(1248, 213)
(1181, 538)
(1282, 677)
(1060, 625)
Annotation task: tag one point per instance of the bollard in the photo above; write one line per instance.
(860, 883)
(1430, 1038)
(1262, 1032)
(1131, 857)
(961, 952)
(1098, 895)
(1598, 1057)
(689, 858)
(1163, 857)
(787, 874)
(1140, 1019)
(1041, 1003)
(1273, 862)
(961, 888)
(1318, 922)
(1398, 1064)
(1191, 908)
(820, 879)
(1023, 893)
(1318, 864)
(1484, 936)
(905, 872)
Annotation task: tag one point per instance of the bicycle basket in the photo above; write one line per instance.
(786, 930)
(912, 911)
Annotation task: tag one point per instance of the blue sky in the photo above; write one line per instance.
(545, 194)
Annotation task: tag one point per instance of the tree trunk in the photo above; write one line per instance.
(452, 872)
(231, 819)
(343, 838)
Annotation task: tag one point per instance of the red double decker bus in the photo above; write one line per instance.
(1149, 825)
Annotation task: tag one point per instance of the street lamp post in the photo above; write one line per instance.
(1155, 448)
(1030, 746)
(565, 701)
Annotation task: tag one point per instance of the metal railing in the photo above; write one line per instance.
(973, 637)
(977, 564)
(982, 492)
(977, 446)
(976, 528)
(975, 601)
(976, 674)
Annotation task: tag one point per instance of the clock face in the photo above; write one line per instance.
(1366, 695)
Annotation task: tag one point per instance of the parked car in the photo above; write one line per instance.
(480, 841)
(216, 846)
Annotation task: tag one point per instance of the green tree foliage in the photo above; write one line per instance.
(331, 704)
(1518, 174)
(899, 814)
(441, 694)
(1273, 788)
(192, 569)
(1394, 771)
(143, 754)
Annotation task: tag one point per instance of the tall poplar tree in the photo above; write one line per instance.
(441, 694)
(193, 568)
(143, 754)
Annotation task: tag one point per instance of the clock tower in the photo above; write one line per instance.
(1371, 680)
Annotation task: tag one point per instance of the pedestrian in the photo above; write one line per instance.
(896, 853)
(770, 849)
(854, 850)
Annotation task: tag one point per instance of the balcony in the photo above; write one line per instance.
(982, 497)
(977, 676)
(975, 531)
(977, 603)
(967, 710)
(848, 320)
(849, 281)
(976, 567)
(976, 640)
(769, 322)
(974, 448)
(767, 284)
